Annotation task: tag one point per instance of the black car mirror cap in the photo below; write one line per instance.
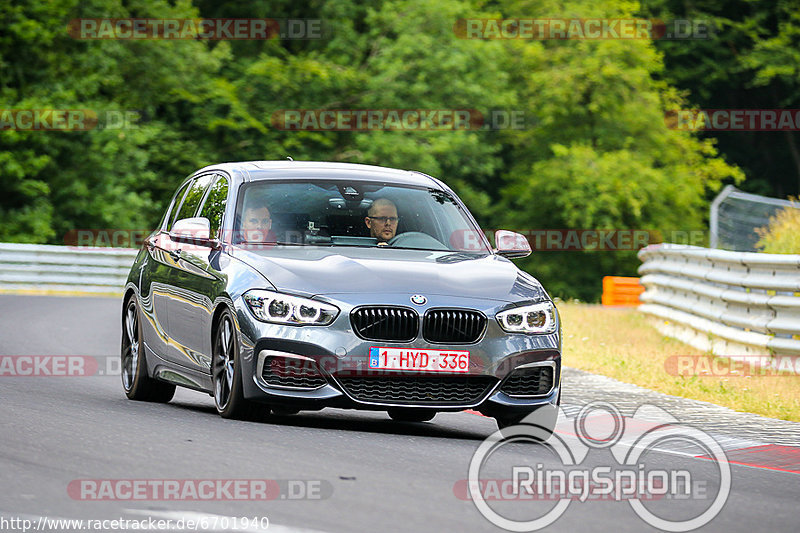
(511, 244)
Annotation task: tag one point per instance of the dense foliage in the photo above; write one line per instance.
(782, 235)
(596, 151)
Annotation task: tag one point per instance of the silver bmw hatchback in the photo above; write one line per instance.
(281, 286)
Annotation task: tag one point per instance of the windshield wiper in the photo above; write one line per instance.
(273, 243)
(417, 248)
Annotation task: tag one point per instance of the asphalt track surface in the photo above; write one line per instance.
(370, 473)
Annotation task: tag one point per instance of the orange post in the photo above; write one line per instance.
(618, 290)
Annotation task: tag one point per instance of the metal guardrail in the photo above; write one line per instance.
(731, 303)
(42, 267)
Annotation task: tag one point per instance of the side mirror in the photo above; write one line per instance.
(195, 230)
(511, 245)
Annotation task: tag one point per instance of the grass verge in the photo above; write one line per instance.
(621, 344)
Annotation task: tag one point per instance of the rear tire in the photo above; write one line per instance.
(411, 415)
(136, 382)
(226, 373)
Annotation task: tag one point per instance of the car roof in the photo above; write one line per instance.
(264, 170)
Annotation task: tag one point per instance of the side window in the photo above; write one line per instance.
(192, 198)
(214, 206)
(173, 206)
(173, 216)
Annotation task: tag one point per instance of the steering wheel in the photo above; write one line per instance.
(416, 239)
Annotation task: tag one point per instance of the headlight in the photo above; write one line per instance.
(537, 318)
(279, 308)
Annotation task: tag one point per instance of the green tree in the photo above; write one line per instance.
(602, 155)
(750, 61)
(104, 177)
(596, 153)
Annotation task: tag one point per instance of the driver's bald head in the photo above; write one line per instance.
(378, 204)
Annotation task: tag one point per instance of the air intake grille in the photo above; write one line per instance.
(533, 381)
(292, 372)
(419, 390)
(397, 324)
(453, 326)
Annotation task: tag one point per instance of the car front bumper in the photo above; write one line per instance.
(340, 355)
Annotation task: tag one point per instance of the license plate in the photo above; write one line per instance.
(414, 359)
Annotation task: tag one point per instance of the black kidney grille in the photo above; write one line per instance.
(533, 381)
(419, 390)
(385, 323)
(292, 372)
(453, 326)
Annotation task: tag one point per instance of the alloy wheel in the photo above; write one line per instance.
(223, 363)
(130, 345)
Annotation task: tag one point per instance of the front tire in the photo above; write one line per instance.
(226, 372)
(137, 383)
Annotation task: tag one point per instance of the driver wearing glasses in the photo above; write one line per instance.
(382, 220)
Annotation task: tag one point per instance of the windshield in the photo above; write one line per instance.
(353, 213)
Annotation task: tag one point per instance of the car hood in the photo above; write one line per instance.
(312, 270)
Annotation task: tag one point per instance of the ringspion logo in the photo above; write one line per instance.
(535, 483)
